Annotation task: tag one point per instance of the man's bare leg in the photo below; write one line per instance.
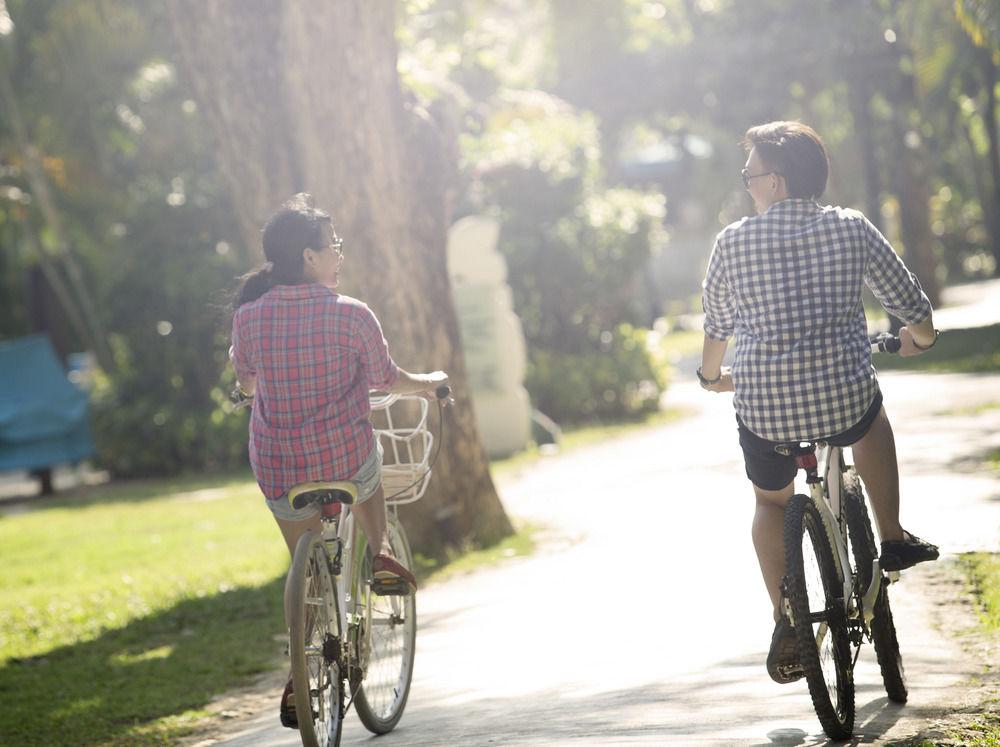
(769, 540)
(875, 459)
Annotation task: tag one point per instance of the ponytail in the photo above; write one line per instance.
(297, 226)
(255, 284)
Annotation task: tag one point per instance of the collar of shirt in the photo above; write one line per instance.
(301, 292)
(793, 207)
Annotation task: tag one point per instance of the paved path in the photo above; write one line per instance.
(643, 620)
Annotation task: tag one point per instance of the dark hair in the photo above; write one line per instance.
(296, 226)
(795, 151)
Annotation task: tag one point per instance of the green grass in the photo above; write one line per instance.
(957, 351)
(126, 609)
(974, 410)
(982, 570)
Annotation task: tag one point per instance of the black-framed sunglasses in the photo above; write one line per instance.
(338, 247)
(747, 176)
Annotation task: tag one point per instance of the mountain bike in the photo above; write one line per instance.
(352, 637)
(835, 605)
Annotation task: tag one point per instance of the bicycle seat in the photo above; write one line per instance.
(323, 493)
(797, 449)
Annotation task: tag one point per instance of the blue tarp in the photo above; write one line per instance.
(43, 417)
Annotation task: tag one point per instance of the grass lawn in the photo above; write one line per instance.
(126, 608)
(957, 350)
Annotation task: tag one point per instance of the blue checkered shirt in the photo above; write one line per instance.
(788, 283)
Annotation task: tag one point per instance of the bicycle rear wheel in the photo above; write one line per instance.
(389, 638)
(883, 629)
(313, 644)
(818, 617)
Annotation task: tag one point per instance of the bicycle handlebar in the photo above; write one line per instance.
(886, 343)
(241, 399)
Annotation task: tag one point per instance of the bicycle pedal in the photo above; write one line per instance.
(385, 587)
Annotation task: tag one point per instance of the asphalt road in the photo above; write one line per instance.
(642, 619)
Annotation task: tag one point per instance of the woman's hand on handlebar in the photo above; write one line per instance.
(432, 385)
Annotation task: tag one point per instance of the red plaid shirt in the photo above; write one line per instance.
(315, 355)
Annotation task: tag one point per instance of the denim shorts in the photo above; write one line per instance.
(368, 479)
(769, 470)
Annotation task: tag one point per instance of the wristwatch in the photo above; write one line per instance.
(708, 382)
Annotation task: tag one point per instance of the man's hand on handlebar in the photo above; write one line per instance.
(724, 384)
(910, 346)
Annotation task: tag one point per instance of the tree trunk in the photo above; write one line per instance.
(860, 98)
(910, 183)
(991, 208)
(305, 97)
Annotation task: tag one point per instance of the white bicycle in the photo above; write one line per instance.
(832, 604)
(352, 641)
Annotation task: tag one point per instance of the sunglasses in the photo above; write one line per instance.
(747, 176)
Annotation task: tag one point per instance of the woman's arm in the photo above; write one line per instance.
(409, 383)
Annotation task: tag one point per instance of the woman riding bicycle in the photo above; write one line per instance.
(310, 355)
(788, 282)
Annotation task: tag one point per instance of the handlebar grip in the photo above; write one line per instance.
(887, 344)
(443, 391)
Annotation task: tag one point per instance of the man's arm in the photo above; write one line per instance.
(720, 317)
(899, 292)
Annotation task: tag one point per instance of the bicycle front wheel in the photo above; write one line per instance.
(818, 617)
(389, 636)
(883, 629)
(314, 645)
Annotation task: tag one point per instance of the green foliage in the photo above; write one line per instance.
(142, 206)
(576, 251)
(614, 378)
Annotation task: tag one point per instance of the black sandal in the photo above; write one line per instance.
(287, 712)
(898, 555)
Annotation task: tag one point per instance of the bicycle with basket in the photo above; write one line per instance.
(352, 638)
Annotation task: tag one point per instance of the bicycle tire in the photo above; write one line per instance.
(883, 629)
(818, 619)
(392, 620)
(310, 603)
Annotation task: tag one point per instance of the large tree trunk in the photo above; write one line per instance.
(306, 97)
(911, 185)
(991, 207)
(864, 128)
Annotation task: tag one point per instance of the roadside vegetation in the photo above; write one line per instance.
(975, 350)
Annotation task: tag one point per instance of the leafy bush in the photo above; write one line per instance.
(615, 378)
(576, 250)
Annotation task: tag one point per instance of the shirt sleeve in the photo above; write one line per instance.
(379, 368)
(717, 298)
(895, 287)
(241, 351)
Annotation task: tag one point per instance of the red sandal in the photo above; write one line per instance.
(391, 577)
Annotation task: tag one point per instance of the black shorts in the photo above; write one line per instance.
(769, 470)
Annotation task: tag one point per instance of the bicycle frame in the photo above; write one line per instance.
(827, 494)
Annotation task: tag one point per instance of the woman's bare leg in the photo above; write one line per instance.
(371, 518)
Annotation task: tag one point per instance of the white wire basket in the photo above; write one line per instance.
(401, 427)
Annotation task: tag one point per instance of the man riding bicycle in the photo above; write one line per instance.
(787, 282)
